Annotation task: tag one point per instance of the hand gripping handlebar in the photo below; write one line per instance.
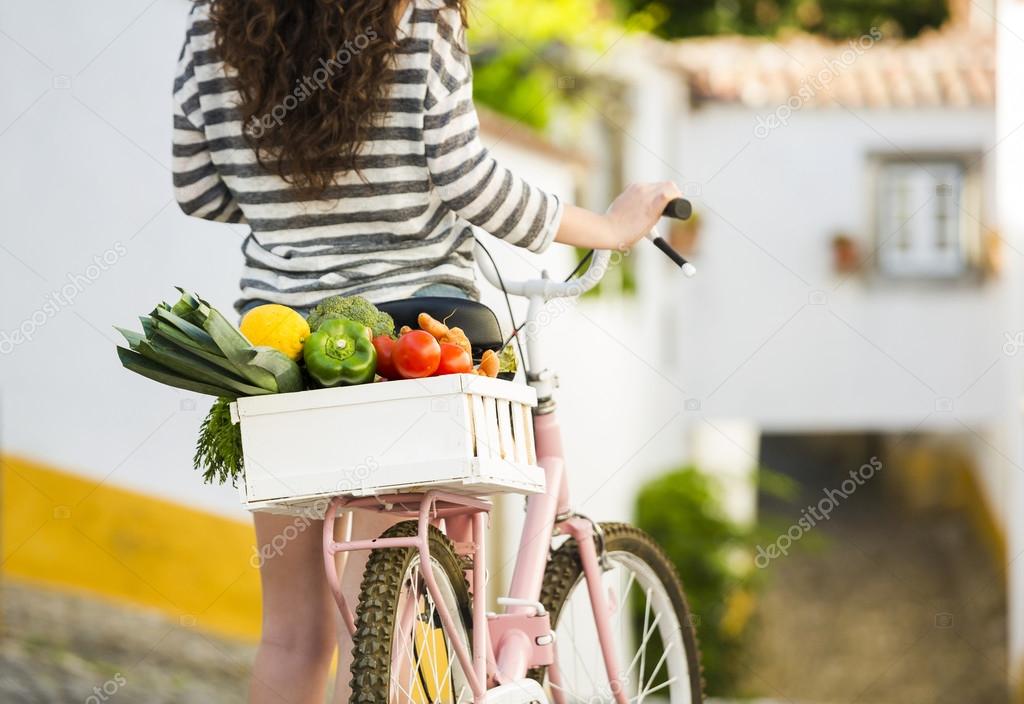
(678, 208)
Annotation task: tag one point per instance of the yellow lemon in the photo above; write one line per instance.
(277, 326)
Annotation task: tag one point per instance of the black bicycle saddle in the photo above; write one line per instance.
(476, 320)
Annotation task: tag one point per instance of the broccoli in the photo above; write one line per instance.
(354, 308)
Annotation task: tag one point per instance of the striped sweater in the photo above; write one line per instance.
(409, 224)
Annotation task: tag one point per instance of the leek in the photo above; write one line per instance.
(190, 345)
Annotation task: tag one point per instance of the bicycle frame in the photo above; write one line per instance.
(507, 645)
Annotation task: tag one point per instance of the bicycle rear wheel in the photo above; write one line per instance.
(657, 646)
(401, 652)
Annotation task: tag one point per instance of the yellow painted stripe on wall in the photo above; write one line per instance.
(69, 531)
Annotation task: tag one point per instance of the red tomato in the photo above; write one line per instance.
(454, 360)
(416, 355)
(385, 346)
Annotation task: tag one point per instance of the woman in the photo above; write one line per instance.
(343, 134)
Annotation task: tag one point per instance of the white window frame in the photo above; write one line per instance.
(915, 198)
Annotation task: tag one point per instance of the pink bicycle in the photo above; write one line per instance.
(595, 611)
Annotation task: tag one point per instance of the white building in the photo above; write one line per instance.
(1009, 184)
(849, 265)
(855, 273)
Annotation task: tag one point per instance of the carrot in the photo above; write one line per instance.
(489, 364)
(432, 325)
(457, 337)
(443, 333)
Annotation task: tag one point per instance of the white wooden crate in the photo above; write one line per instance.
(461, 432)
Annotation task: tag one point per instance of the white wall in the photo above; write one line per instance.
(769, 333)
(876, 354)
(1010, 185)
(86, 146)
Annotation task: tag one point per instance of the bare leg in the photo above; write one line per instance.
(297, 643)
(365, 524)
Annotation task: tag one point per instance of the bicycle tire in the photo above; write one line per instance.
(564, 572)
(379, 599)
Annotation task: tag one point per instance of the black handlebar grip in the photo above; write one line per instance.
(669, 252)
(678, 208)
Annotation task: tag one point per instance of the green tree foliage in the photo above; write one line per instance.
(525, 52)
(832, 18)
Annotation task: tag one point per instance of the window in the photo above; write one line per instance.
(921, 229)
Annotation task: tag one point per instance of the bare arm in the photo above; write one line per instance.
(629, 218)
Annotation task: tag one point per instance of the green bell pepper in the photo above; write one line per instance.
(340, 353)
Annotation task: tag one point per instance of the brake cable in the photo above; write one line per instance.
(508, 302)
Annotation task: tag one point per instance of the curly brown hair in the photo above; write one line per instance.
(312, 76)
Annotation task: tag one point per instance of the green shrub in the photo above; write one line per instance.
(682, 511)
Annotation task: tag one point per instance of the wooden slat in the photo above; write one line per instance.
(531, 448)
(468, 424)
(508, 450)
(518, 434)
(491, 415)
(479, 427)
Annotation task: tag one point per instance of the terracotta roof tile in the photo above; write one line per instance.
(952, 67)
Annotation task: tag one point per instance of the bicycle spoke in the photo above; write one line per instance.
(577, 657)
(643, 648)
(660, 687)
(654, 673)
(650, 651)
(413, 598)
(422, 644)
(623, 605)
(405, 637)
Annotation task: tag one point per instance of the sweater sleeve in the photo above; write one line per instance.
(198, 187)
(468, 179)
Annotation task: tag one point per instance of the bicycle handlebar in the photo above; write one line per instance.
(681, 209)
(678, 208)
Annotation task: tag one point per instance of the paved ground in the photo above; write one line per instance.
(886, 608)
(882, 610)
(55, 649)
